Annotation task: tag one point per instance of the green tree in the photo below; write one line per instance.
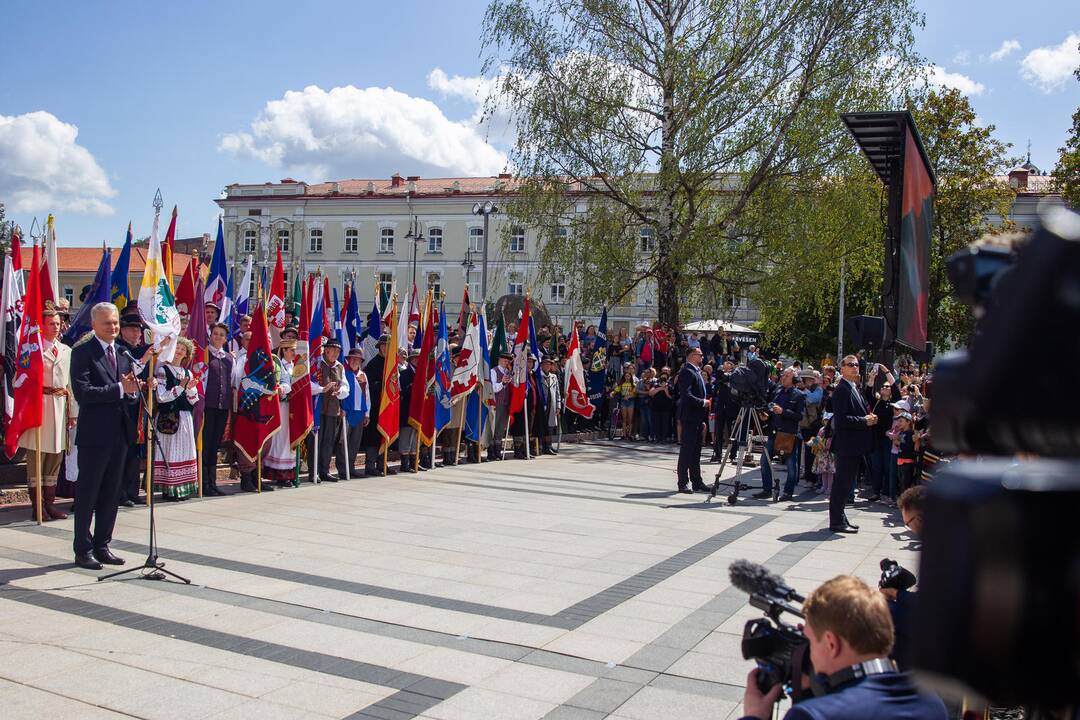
(1067, 171)
(670, 116)
(840, 219)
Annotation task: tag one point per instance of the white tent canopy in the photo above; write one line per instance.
(717, 326)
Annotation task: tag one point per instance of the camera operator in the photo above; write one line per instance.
(900, 599)
(725, 409)
(850, 635)
(787, 408)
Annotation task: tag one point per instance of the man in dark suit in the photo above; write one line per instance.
(373, 459)
(131, 339)
(104, 386)
(852, 439)
(692, 411)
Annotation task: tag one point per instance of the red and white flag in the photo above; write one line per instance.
(520, 372)
(467, 366)
(577, 395)
(275, 302)
(28, 380)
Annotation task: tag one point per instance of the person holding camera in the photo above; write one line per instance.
(787, 408)
(850, 634)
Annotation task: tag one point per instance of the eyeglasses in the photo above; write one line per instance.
(850, 364)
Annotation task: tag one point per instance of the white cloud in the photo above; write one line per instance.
(962, 57)
(940, 77)
(1047, 68)
(490, 116)
(351, 132)
(1006, 49)
(43, 168)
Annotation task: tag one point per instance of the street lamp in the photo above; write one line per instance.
(416, 234)
(486, 209)
(467, 265)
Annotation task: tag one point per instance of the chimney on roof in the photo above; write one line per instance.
(504, 176)
(370, 188)
(413, 178)
(335, 188)
(395, 180)
(456, 187)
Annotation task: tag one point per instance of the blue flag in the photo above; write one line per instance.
(370, 342)
(597, 364)
(444, 371)
(339, 334)
(100, 291)
(351, 325)
(476, 410)
(356, 404)
(538, 374)
(120, 294)
(228, 313)
(217, 282)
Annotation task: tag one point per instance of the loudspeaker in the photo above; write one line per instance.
(866, 331)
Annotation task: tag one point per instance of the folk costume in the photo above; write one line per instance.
(176, 474)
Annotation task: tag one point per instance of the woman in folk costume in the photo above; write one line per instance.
(279, 462)
(58, 412)
(176, 394)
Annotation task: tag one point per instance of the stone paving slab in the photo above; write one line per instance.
(571, 587)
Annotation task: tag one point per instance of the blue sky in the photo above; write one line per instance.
(165, 95)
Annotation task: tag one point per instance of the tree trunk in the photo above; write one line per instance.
(666, 275)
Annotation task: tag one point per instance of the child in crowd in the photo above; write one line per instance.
(824, 460)
(906, 446)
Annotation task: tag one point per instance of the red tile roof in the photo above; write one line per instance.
(422, 186)
(85, 260)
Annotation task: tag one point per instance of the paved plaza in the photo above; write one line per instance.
(569, 587)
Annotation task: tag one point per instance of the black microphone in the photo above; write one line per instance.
(755, 579)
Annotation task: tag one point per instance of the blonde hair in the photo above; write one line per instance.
(850, 609)
(189, 347)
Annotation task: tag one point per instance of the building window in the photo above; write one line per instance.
(283, 237)
(315, 240)
(434, 283)
(731, 299)
(285, 277)
(560, 234)
(646, 242)
(386, 240)
(476, 239)
(434, 240)
(352, 240)
(474, 289)
(69, 294)
(558, 292)
(254, 213)
(386, 284)
(251, 240)
(515, 286)
(517, 240)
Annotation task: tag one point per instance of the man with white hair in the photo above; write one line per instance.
(104, 385)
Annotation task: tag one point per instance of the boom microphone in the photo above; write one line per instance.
(754, 579)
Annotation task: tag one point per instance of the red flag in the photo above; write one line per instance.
(421, 387)
(463, 316)
(185, 291)
(301, 415)
(198, 334)
(45, 280)
(275, 302)
(577, 395)
(315, 337)
(328, 310)
(16, 251)
(28, 379)
(521, 362)
(414, 309)
(258, 412)
(167, 250)
(390, 404)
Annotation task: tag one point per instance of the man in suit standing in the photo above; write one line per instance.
(104, 387)
(852, 439)
(692, 411)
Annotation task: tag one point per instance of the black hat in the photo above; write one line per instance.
(384, 339)
(332, 343)
(548, 357)
(131, 319)
(507, 355)
(290, 331)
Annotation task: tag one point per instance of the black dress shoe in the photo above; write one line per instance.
(328, 478)
(104, 555)
(787, 496)
(87, 561)
(701, 488)
(127, 502)
(850, 524)
(763, 495)
(844, 530)
(688, 491)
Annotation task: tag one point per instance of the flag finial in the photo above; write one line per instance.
(158, 202)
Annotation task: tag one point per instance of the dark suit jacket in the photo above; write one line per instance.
(692, 394)
(103, 412)
(888, 696)
(374, 371)
(851, 434)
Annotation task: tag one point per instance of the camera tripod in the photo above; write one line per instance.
(747, 432)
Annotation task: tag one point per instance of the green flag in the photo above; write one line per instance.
(498, 343)
(297, 297)
(553, 346)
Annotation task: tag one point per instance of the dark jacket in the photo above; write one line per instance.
(851, 434)
(888, 696)
(692, 394)
(405, 382)
(794, 404)
(374, 371)
(102, 409)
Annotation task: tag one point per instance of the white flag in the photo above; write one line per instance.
(157, 307)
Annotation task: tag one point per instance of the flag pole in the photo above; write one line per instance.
(345, 447)
(258, 470)
(460, 427)
(150, 429)
(525, 412)
(38, 505)
(386, 449)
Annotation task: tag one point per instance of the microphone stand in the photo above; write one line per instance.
(152, 568)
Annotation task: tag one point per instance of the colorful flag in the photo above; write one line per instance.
(185, 290)
(99, 292)
(498, 340)
(217, 282)
(196, 332)
(463, 315)
(275, 301)
(390, 403)
(577, 397)
(421, 409)
(355, 404)
(351, 324)
(538, 374)
(597, 363)
(443, 374)
(328, 321)
(301, 414)
(258, 412)
(403, 326)
(28, 380)
(11, 305)
(370, 342)
(167, 249)
(297, 297)
(243, 298)
(477, 410)
(414, 316)
(47, 277)
(156, 304)
(120, 289)
(520, 373)
(467, 366)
